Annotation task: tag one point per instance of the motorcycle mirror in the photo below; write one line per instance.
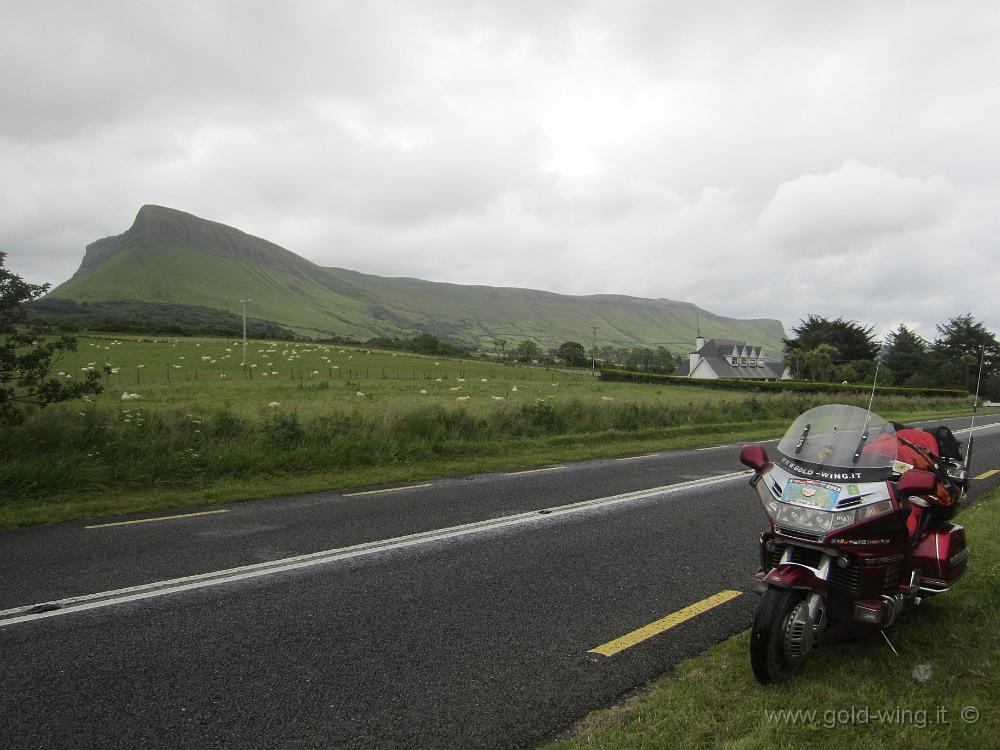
(754, 456)
(916, 482)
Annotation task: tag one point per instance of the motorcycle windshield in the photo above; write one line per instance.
(840, 443)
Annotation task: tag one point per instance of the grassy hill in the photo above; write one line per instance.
(170, 257)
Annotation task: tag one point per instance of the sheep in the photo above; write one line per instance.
(359, 394)
(498, 398)
(456, 388)
(423, 392)
(126, 396)
(514, 389)
(462, 398)
(607, 398)
(274, 405)
(483, 380)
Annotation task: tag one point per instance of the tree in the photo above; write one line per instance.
(500, 346)
(528, 350)
(573, 353)
(25, 362)
(851, 339)
(905, 354)
(957, 352)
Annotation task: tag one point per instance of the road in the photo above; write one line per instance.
(455, 613)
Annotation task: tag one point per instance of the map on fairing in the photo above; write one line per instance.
(810, 493)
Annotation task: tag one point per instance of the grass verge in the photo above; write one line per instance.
(104, 463)
(712, 700)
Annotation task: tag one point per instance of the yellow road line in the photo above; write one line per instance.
(152, 520)
(635, 458)
(534, 471)
(988, 474)
(655, 628)
(387, 489)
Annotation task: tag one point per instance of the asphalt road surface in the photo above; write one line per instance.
(456, 613)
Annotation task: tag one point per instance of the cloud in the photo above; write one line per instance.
(764, 161)
(849, 209)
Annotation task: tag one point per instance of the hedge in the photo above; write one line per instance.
(800, 386)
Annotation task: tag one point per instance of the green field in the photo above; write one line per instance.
(183, 423)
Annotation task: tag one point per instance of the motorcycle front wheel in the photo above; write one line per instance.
(777, 650)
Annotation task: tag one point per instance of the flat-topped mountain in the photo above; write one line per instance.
(168, 256)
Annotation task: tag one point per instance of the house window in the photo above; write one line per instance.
(733, 359)
(743, 361)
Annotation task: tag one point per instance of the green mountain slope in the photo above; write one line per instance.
(168, 256)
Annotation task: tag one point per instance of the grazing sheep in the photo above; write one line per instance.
(274, 405)
(498, 398)
(460, 380)
(514, 389)
(359, 394)
(483, 380)
(462, 398)
(456, 388)
(607, 398)
(126, 396)
(423, 392)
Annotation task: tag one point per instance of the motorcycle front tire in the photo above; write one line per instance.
(767, 637)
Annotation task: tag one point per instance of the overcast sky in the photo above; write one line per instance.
(758, 159)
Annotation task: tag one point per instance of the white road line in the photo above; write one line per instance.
(534, 471)
(41, 611)
(714, 447)
(158, 518)
(387, 489)
(636, 458)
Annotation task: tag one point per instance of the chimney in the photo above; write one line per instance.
(695, 357)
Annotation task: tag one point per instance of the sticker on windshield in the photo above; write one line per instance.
(811, 493)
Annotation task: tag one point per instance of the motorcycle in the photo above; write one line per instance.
(856, 535)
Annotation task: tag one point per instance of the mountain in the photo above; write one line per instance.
(171, 257)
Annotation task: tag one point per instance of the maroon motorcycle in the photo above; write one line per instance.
(856, 535)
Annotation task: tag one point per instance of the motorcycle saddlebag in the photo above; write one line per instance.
(948, 445)
(941, 557)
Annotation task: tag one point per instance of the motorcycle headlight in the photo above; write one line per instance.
(813, 519)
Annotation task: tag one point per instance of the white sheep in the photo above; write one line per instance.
(274, 405)
(607, 398)
(498, 398)
(514, 389)
(126, 396)
(423, 392)
(359, 394)
(462, 398)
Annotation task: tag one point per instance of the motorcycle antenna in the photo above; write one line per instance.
(868, 416)
(975, 406)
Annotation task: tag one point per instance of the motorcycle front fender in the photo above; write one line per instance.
(790, 576)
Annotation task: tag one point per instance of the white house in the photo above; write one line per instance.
(719, 358)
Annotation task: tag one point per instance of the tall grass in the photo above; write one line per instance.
(122, 447)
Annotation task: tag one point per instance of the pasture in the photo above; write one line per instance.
(181, 422)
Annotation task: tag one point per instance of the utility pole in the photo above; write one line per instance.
(593, 351)
(244, 302)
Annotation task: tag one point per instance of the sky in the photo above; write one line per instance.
(762, 160)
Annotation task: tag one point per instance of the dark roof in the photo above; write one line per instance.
(717, 353)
